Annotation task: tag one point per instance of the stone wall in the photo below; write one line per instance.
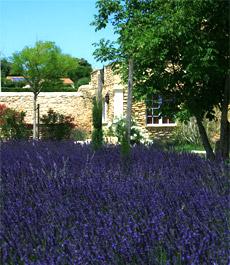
(77, 104)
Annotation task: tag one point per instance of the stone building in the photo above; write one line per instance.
(79, 105)
(146, 116)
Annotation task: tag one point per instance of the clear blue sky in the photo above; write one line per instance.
(66, 22)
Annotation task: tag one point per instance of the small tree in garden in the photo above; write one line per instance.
(56, 126)
(12, 125)
(41, 65)
(97, 136)
(118, 129)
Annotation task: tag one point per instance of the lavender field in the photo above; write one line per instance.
(61, 203)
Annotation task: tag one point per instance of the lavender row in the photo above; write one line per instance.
(62, 203)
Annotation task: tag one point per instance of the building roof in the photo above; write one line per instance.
(66, 81)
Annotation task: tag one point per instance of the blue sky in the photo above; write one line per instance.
(66, 22)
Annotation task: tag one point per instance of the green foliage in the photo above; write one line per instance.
(56, 126)
(97, 114)
(83, 69)
(97, 139)
(42, 65)
(190, 36)
(97, 135)
(180, 49)
(12, 125)
(82, 81)
(79, 134)
(76, 69)
(161, 255)
(187, 133)
(8, 85)
(118, 130)
(5, 67)
(125, 150)
(15, 89)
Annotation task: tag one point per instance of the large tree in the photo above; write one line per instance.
(180, 49)
(41, 65)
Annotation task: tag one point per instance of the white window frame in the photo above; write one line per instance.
(160, 118)
(105, 113)
(118, 103)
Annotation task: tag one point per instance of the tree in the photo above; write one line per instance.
(5, 70)
(123, 55)
(41, 65)
(97, 135)
(180, 49)
(81, 74)
(5, 67)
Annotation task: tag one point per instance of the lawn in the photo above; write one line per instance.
(61, 203)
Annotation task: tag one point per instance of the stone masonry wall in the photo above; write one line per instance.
(77, 104)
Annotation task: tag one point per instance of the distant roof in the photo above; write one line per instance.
(66, 81)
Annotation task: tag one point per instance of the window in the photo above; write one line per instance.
(104, 112)
(153, 112)
(118, 103)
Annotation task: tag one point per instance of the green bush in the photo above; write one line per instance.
(187, 133)
(97, 139)
(15, 89)
(12, 125)
(97, 135)
(82, 81)
(79, 134)
(56, 126)
(9, 85)
(118, 130)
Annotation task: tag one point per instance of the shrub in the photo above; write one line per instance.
(79, 134)
(97, 135)
(15, 89)
(118, 129)
(188, 133)
(56, 126)
(82, 81)
(12, 125)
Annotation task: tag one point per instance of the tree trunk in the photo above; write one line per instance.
(224, 124)
(209, 152)
(100, 85)
(129, 101)
(35, 117)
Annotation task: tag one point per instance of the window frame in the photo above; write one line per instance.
(104, 112)
(160, 123)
